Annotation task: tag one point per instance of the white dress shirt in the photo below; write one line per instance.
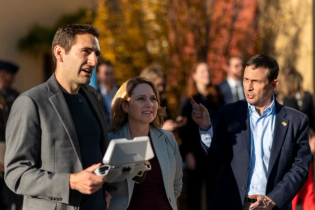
(233, 84)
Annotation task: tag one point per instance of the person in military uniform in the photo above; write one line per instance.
(3, 120)
(8, 71)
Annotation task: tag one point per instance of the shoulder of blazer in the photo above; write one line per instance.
(234, 107)
(37, 93)
(169, 137)
(223, 85)
(290, 113)
(97, 95)
(90, 89)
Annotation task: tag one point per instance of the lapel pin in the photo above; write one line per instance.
(284, 123)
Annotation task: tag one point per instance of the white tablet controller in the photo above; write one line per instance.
(126, 159)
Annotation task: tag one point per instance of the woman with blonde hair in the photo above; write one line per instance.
(136, 112)
(155, 74)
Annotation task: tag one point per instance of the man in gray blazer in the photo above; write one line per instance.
(56, 133)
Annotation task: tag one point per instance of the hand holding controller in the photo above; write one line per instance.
(126, 159)
(102, 170)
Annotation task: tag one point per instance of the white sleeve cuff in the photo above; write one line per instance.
(206, 136)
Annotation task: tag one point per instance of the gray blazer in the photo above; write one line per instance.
(43, 149)
(167, 152)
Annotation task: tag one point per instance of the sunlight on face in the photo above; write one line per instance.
(142, 106)
(257, 88)
(80, 61)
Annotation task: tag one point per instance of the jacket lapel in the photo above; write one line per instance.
(123, 132)
(160, 149)
(245, 127)
(60, 105)
(280, 130)
(98, 114)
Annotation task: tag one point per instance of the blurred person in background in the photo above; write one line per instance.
(232, 87)
(5, 193)
(297, 98)
(8, 71)
(201, 89)
(136, 112)
(157, 76)
(107, 86)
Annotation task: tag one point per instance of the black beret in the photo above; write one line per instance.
(8, 66)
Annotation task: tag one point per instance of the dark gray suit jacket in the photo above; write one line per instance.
(42, 146)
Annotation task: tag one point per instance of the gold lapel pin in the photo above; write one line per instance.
(284, 123)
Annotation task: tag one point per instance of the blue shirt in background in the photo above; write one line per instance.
(93, 81)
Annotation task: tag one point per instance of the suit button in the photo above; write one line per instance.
(247, 167)
(244, 187)
(60, 199)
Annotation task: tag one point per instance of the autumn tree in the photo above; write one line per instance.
(133, 34)
(175, 34)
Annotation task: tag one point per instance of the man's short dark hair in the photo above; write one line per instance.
(104, 62)
(267, 62)
(233, 56)
(65, 36)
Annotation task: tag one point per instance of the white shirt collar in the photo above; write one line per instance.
(232, 83)
(104, 91)
(268, 110)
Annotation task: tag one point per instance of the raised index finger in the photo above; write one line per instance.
(193, 103)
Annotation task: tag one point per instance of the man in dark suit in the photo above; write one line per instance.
(232, 87)
(260, 147)
(56, 133)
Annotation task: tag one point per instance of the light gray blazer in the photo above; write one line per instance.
(167, 152)
(43, 149)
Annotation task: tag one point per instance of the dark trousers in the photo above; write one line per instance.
(195, 180)
(8, 198)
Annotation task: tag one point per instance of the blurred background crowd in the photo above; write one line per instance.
(187, 48)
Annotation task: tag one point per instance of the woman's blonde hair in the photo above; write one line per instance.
(293, 83)
(119, 117)
(152, 73)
